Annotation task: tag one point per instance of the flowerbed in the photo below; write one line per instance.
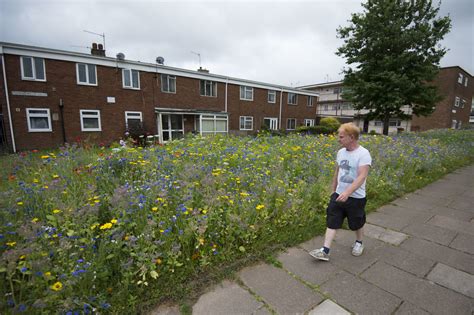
(108, 230)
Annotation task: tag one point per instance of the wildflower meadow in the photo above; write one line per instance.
(88, 229)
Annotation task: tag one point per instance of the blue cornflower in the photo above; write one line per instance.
(24, 269)
(22, 308)
(105, 305)
(39, 273)
(80, 260)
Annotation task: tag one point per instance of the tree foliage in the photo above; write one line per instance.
(394, 48)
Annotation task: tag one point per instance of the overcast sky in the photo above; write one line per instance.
(291, 43)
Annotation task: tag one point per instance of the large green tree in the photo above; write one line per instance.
(393, 52)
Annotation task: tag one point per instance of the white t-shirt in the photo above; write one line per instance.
(349, 162)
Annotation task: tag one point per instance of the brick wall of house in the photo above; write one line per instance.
(61, 85)
(449, 88)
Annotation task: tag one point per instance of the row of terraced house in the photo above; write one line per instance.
(49, 97)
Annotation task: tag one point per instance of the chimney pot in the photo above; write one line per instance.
(94, 45)
(101, 47)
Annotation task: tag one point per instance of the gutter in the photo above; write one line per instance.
(8, 104)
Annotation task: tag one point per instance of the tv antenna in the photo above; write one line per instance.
(199, 55)
(101, 35)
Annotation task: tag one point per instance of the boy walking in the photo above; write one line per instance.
(348, 185)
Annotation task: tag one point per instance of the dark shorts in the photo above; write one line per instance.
(353, 209)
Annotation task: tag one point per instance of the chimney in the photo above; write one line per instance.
(97, 50)
(201, 69)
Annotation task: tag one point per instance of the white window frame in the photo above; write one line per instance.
(244, 120)
(83, 115)
(309, 122)
(38, 115)
(129, 74)
(288, 127)
(169, 79)
(272, 122)
(460, 78)
(207, 83)
(243, 93)
(87, 74)
(271, 93)
(214, 119)
(457, 101)
(33, 69)
(463, 103)
(290, 98)
(465, 82)
(310, 101)
(133, 116)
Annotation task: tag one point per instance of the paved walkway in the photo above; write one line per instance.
(418, 259)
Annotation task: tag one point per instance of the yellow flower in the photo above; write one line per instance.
(56, 211)
(34, 220)
(45, 186)
(93, 226)
(20, 203)
(158, 261)
(201, 241)
(55, 176)
(47, 274)
(35, 180)
(154, 209)
(45, 157)
(259, 207)
(57, 286)
(22, 256)
(11, 244)
(113, 221)
(106, 226)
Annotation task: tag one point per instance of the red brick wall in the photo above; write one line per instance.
(448, 86)
(62, 84)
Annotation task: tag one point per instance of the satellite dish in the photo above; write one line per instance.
(160, 60)
(120, 56)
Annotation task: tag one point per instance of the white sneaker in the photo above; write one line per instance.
(319, 254)
(357, 249)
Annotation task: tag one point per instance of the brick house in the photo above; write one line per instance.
(454, 84)
(49, 97)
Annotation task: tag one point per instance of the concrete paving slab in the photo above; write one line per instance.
(406, 260)
(422, 293)
(409, 309)
(328, 307)
(419, 202)
(388, 221)
(452, 224)
(454, 279)
(315, 242)
(166, 309)
(463, 242)
(432, 233)
(441, 190)
(384, 235)
(226, 298)
(347, 238)
(311, 270)
(453, 213)
(359, 296)
(462, 203)
(281, 291)
(440, 253)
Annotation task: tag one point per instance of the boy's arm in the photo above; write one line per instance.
(362, 171)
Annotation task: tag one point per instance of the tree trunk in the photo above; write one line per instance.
(386, 123)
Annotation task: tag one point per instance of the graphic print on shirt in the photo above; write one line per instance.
(347, 176)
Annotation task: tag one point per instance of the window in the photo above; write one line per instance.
(395, 123)
(460, 78)
(291, 124)
(309, 122)
(292, 98)
(32, 68)
(86, 74)
(378, 123)
(337, 90)
(457, 101)
(463, 103)
(271, 123)
(246, 93)
(168, 83)
(310, 101)
(246, 123)
(131, 79)
(133, 120)
(453, 124)
(271, 96)
(38, 119)
(465, 82)
(326, 107)
(90, 120)
(213, 124)
(208, 88)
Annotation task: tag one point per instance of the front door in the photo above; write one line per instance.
(171, 127)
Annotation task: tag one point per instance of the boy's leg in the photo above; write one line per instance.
(329, 237)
